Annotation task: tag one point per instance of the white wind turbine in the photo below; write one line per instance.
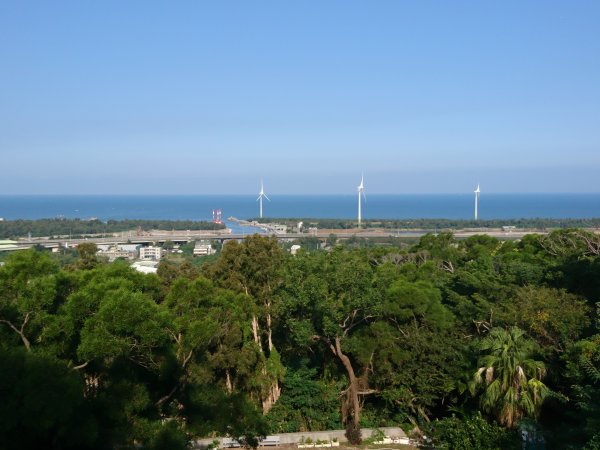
(260, 197)
(477, 191)
(361, 190)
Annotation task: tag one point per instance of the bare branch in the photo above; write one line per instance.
(81, 366)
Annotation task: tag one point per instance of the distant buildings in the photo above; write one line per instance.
(113, 252)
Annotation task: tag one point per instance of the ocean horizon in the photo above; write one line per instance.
(376, 206)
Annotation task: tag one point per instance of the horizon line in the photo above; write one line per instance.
(124, 194)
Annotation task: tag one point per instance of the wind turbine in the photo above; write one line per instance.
(361, 190)
(260, 197)
(477, 191)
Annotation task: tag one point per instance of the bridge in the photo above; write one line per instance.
(159, 237)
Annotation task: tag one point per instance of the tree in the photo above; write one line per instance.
(553, 317)
(328, 298)
(87, 255)
(512, 380)
(253, 268)
(127, 324)
(42, 404)
(210, 331)
(27, 293)
(331, 240)
(582, 372)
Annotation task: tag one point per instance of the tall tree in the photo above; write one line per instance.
(253, 268)
(511, 379)
(329, 297)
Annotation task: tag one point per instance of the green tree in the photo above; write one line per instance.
(43, 405)
(87, 255)
(27, 293)
(127, 324)
(553, 317)
(253, 269)
(511, 378)
(328, 298)
(471, 433)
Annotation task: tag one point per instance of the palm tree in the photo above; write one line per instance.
(512, 380)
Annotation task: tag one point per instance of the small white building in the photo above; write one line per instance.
(150, 253)
(294, 249)
(145, 266)
(131, 248)
(203, 249)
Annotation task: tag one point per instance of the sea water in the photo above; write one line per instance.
(200, 207)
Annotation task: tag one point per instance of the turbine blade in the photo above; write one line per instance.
(258, 197)
(267, 197)
(364, 196)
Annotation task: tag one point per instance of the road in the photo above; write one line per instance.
(185, 236)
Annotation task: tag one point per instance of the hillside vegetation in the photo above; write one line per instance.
(468, 342)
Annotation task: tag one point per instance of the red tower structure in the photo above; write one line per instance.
(216, 216)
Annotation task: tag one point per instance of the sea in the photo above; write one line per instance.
(200, 207)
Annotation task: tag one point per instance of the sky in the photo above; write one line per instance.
(199, 97)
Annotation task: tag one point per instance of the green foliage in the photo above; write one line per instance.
(471, 433)
(353, 434)
(593, 443)
(42, 404)
(418, 302)
(78, 227)
(127, 324)
(168, 436)
(554, 318)
(265, 342)
(307, 404)
(512, 380)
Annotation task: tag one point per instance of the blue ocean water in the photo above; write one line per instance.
(199, 207)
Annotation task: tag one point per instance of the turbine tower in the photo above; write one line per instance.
(361, 191)
(477, 191)
(260, 197)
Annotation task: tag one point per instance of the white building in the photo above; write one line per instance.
(131, 248)
(203, 249)
(8, 245)
(113, 252)
(154, 253)
(145, 266)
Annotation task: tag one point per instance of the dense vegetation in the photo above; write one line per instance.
(438, 224)
(469, 342)
(78, 227)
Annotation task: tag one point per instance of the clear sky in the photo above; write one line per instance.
(208, 97)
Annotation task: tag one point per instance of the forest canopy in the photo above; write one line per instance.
(467, 341)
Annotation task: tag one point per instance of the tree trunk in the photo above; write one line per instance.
(269, 330)
(255, 332)
(351, 408)
(20, 332)
(228, 384)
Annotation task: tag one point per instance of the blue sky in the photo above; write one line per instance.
(208, 97)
